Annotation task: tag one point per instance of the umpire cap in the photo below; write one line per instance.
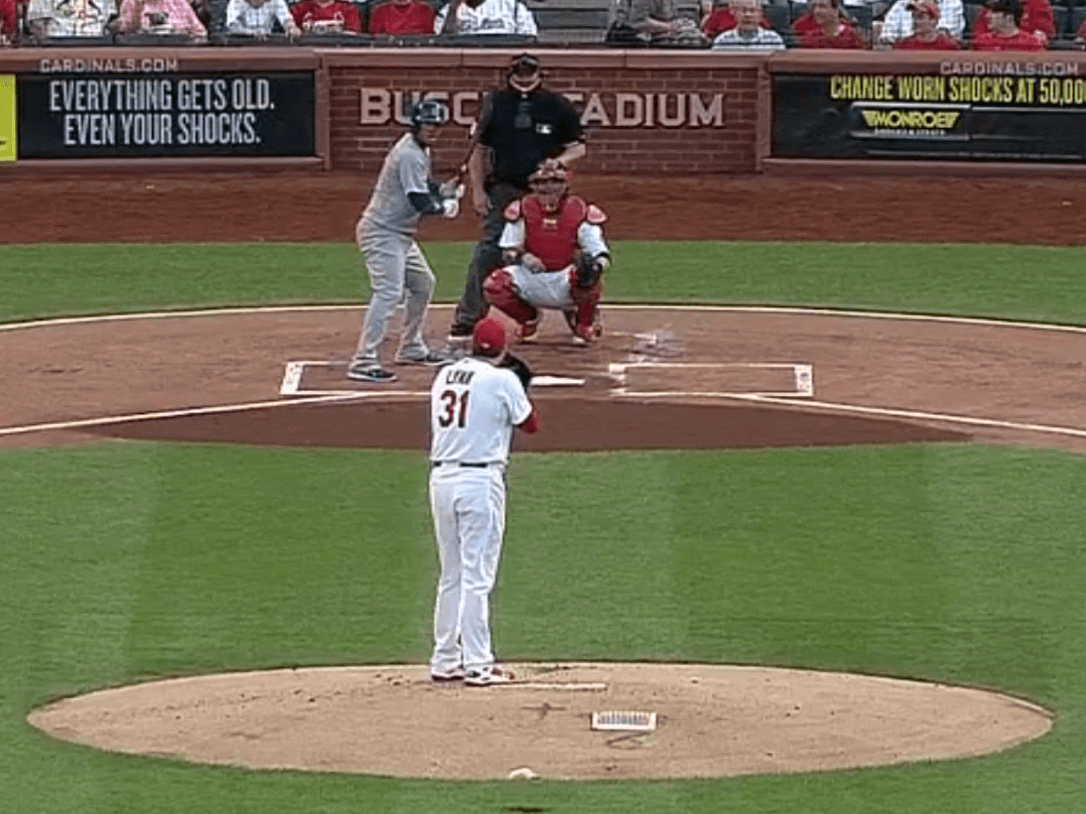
(488, 337)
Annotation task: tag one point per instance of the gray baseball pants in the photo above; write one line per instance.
(398, 272)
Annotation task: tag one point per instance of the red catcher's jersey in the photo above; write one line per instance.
(552, 236)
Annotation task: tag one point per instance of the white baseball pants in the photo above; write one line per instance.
(468, 507)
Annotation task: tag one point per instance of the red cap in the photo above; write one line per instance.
(488, 337)
(929, 7)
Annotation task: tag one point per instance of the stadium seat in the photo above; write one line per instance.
(1078, 14)
(778, 16)
(571, 22)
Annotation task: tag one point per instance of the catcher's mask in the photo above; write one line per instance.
(524, 73)
(549, 183)
(429, 111)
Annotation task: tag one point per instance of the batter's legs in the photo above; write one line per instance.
(385, 258)
(419, 283)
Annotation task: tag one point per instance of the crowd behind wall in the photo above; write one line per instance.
(1005, 25)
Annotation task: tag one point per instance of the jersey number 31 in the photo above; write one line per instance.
(456, 408)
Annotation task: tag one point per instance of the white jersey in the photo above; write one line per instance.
(762, 39)
(473, 409)
(590, 238)
(491, 17)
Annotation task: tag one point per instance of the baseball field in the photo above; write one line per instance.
(951, 562)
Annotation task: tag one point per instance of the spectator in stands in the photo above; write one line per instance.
(483, 17)
(403, 17)
(829, 30)
(159, 17)
(1004, 33)
(1080, 35)
(258, 18)
(898, 23)
(658, 22)
(326, 17)
(1036, 17)
(927, 35)
(748, 33)
(70, 18)
(720, 17)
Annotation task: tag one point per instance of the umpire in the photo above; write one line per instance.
(520, 125)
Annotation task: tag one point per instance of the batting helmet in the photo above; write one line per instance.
(429, 111)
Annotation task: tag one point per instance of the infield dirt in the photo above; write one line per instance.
(899, 380)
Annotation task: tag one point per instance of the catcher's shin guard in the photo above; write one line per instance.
(583, 319)
(499, 292)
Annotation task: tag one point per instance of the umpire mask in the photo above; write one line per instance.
(524, 73)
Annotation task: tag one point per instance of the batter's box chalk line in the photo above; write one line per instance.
(295, 371)
(802, 377)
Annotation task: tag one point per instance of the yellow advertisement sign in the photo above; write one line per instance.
(9, 146)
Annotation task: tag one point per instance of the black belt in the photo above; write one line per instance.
(462, 463)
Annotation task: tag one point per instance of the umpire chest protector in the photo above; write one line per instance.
(523, 129)
(550, 236)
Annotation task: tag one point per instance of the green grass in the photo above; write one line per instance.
(1017, 282)
(952, 563)
(123, 561)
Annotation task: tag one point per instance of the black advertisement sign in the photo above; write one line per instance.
(946, 117)
(133, 116)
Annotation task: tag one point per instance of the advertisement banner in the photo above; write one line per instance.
(9, 141)
(186, 115)
(991, 116)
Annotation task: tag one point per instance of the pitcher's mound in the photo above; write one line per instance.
(710, 721)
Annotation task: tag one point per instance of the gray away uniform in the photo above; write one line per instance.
(397, 269)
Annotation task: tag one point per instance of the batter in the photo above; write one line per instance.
(396, 266)
(474, 406)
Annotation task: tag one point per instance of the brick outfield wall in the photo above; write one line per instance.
(654, 121)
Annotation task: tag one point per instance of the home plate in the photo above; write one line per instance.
(556, 381)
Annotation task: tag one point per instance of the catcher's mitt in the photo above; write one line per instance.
(518, 366)
(589, 270)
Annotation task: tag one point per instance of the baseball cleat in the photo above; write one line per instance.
(584, 335)
(369, 372)
(487, 677)
(432, 358)
(439, 676)
(526, 330)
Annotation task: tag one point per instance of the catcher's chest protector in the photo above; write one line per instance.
(552, 236)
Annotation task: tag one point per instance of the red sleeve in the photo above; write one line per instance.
(8, 17)
(804, 24)
(1082, 30)
(530, 425)
(351, 19)
(720, 20)
(1039, 17)
(980, 24)
(377, 20)
(297, 11)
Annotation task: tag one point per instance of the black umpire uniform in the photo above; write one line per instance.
(521, 128)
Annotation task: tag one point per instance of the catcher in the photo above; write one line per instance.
(553, 255)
